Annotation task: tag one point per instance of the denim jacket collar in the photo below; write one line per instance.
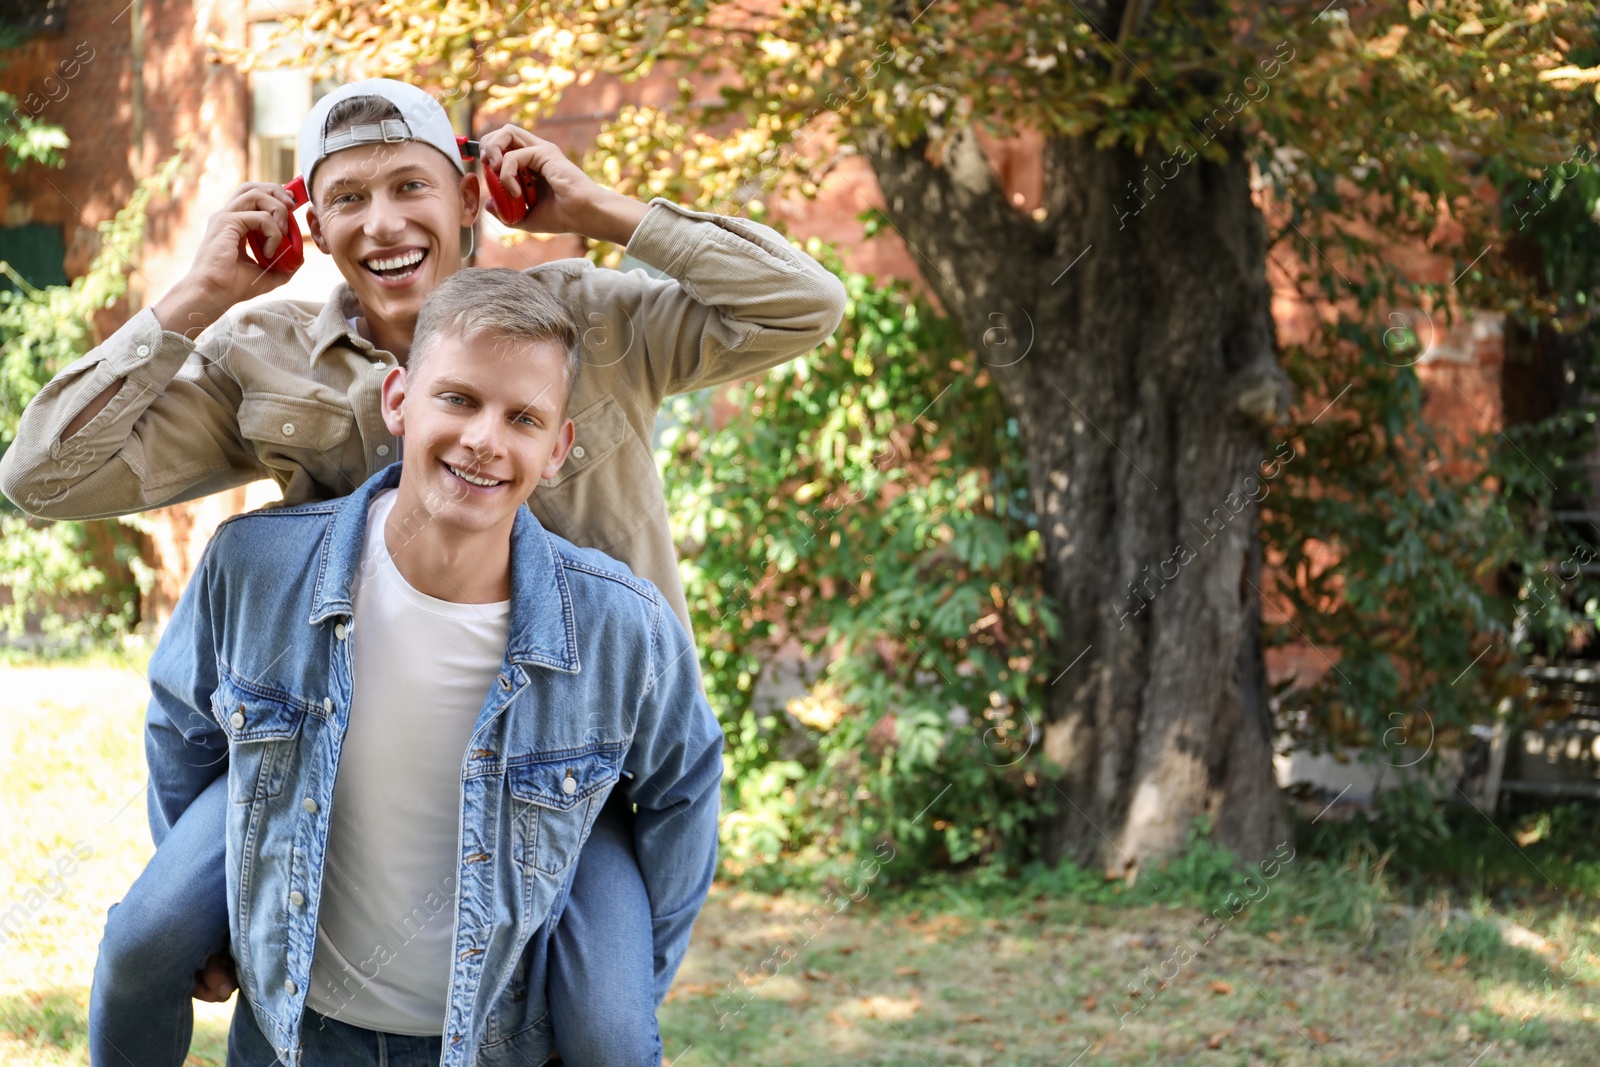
(543, 629)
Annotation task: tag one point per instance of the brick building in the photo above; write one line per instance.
(132, 81)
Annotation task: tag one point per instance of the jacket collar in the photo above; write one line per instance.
(543, 630)
(332, 324)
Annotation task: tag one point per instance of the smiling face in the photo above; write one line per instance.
(482, 421)
(391, 216)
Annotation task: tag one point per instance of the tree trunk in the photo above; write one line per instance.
(1130, 333)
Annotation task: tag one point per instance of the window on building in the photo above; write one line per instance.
(34, 251)
(21, 19)
(279, 100)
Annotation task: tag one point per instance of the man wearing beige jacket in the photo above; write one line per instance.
(191, 397)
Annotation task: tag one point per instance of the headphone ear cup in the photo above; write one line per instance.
(291, 252)
(510, 209)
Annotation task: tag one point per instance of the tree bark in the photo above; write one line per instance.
(1130, 333)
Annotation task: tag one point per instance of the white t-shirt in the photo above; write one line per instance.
(421, 669)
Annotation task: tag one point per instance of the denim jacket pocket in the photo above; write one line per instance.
(561, 793)
(262, 727)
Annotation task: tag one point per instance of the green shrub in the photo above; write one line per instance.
(54, 571)
(867, 507)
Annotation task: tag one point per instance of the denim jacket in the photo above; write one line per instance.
(597, 690)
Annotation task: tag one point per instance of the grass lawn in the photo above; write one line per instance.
(945, 976)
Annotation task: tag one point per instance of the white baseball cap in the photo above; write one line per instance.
(422, 119)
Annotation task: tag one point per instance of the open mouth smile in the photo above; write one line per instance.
(396, 266)
(472, 479)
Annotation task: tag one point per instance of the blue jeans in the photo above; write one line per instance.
(174, 916)
(330, 1043)
(601, 954)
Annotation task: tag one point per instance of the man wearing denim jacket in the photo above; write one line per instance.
(195, 395)
(281, 656)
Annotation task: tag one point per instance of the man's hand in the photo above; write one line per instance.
(222, 274)
(217, 980)
(569, 200)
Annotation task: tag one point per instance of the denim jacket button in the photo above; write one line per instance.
(309, 804)
(339, 631)
(327, 704)
(289, 987)
(237, 720)
(569, 786)
(297, 898)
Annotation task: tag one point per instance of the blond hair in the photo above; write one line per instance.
(496, 302)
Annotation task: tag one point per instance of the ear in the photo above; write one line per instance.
(315, 225)
(558, 456)
(471, 198)
(392, 401)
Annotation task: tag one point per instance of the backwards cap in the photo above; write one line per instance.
(422, 119)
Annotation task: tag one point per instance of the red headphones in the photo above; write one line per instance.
(291, 251)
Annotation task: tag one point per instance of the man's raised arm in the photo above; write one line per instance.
(146, 419)
(738, 299)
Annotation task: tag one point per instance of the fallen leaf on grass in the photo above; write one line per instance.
(815, 976)
(1089, 1003)
(1432, 1013)
(837, 1018)
(892, 1009)
(1319, 1035)
(1221, 988)
(692, 989)
(1215, 1040)
(1292, 1005)
(907, 972)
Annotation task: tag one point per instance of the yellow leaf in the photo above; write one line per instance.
(1574, 74)
(1388, 45)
